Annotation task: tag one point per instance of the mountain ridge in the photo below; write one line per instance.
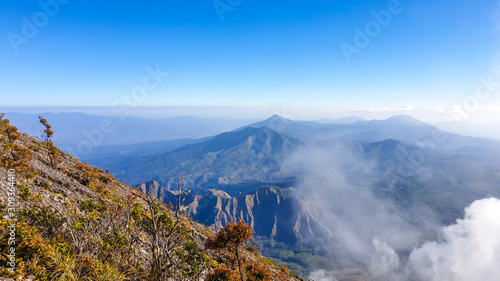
(251, 143)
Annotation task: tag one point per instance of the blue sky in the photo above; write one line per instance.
(284, 54)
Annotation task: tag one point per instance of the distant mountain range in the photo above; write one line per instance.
(257, 152)
(71, 128)
(298, 182)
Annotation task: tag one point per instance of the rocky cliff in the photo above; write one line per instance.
(271, 211)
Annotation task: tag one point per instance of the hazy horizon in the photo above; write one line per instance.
(475, 127)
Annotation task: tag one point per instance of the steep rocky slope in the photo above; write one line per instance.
(72, 221)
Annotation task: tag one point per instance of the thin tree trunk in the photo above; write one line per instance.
(239, 263)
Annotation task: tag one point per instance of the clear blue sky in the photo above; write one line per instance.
(263, 53)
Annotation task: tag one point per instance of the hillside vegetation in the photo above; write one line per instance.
(66, 220)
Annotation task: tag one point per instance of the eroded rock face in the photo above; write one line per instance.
(271, 211)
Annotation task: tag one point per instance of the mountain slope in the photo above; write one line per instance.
(76, 222)
(248, 155)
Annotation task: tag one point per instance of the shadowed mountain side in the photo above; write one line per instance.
(249, 155)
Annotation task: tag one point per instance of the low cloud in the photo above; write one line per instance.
(322, 275)
(339, 183)
(374, 233)
(469, 250)
(384, 260)
(407, 107)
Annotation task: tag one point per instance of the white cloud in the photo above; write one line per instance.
(384, 259)
(322, 275)
(470, 249)
(406, 107)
